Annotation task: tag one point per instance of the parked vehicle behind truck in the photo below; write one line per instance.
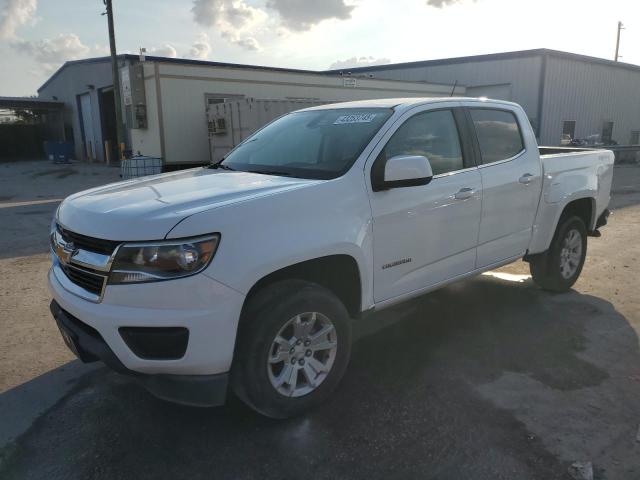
(247, 274)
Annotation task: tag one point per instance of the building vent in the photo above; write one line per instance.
(217, 126)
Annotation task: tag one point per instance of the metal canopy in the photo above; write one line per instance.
(26, 103)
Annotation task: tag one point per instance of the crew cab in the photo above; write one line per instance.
(247, 274)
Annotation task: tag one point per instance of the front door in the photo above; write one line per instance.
(425, 235)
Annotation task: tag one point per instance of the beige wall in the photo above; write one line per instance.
(147, 141)
(182, 106)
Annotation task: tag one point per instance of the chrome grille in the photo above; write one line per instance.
(84, 261)
(105, 247)
(92, 282)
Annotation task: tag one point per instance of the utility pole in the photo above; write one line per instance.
(116, 80)
(620, 28)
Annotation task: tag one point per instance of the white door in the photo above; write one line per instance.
(511, 184)
(424, 235)
(87, 124)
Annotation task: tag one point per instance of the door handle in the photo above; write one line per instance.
(526, 179)
(464, 193)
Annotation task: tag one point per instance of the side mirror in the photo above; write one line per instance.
(403, 171)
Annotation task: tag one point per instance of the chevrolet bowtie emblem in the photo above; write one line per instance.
(67, 252)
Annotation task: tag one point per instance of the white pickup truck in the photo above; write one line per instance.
(247, 273)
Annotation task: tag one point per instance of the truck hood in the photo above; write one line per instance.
(148, 208)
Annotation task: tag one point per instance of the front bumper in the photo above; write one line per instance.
(87, 344)
(208, 309)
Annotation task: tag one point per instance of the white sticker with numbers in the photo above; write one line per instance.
(357, 118)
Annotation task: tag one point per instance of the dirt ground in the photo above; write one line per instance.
(29, 195)
(489, 378)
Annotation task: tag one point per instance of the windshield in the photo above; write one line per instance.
(319, 144)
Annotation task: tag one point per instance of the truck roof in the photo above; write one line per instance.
(404, 103)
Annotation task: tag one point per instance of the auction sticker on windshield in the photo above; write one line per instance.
(357, 118)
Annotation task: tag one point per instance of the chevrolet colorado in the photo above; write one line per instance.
(246, 274)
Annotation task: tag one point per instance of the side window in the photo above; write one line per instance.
(431, 134)
(498, 134)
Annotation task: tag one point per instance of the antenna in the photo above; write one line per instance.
(620, 28)
(454, 88)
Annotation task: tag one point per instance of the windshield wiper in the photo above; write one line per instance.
(221, 166)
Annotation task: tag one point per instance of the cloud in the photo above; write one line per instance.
(248, 43)
(200, 48)
(101, 50)
(355, 62)
(231, 18)
(443, 3)
(51, 53)
(164, 51)
(210, 13)
(301, 15)
(15, 13)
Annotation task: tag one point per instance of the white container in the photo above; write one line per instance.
(140, 167)
(232, 121)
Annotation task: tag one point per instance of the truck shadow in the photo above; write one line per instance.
(408, 407)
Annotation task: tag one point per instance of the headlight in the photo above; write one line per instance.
(150, 262)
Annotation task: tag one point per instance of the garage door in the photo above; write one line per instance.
(86, 115)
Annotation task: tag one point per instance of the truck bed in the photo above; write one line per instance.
(570, 173)
(548, 151)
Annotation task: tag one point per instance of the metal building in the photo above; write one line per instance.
(566, 96)
(165, 100)
(86, 90)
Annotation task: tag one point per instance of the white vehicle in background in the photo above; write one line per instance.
(247, 273)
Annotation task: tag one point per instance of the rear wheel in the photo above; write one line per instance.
(558, 268)
(293, 348)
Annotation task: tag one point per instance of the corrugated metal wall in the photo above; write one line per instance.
(77, 79)
(72, 81)
(522, 74)
(590, 94)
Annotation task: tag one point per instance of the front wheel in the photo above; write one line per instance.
(293, 348)
(558, 268)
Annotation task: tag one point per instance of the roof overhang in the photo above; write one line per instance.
(27, 103)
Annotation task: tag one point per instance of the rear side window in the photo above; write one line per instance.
(498, 134)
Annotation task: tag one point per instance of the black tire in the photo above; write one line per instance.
(264, 315)
(545, 267)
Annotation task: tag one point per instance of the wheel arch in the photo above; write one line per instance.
(338, 273)
(582, 206)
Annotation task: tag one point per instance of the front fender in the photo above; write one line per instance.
(262, 236)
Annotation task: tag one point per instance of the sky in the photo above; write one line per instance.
(37, 36)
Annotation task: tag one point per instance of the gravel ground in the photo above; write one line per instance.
(490, 378)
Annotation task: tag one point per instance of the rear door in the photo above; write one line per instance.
(511, 182)
(424, 235)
